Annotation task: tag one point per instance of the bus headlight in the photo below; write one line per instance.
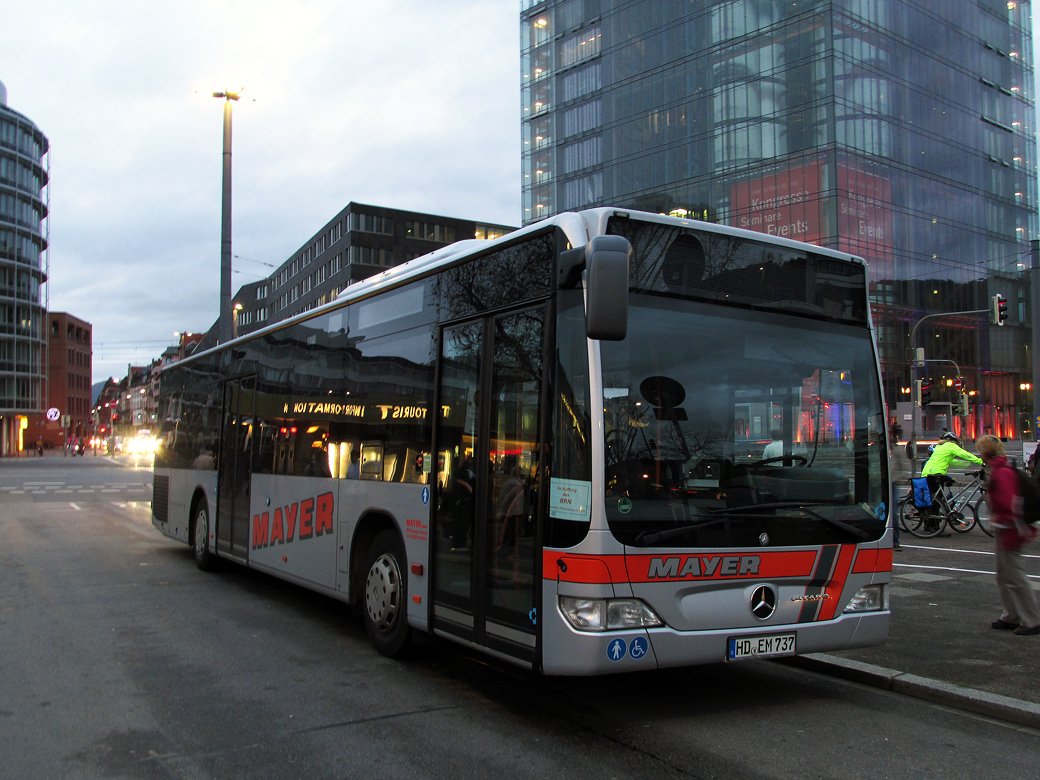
(608, 614)
(868, 599)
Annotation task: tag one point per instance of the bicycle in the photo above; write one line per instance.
(981, 510)
(952, 508)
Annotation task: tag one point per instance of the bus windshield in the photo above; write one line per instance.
(727, 427)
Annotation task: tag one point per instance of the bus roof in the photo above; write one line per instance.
(578, 227)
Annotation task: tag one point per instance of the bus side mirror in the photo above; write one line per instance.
(606, 287)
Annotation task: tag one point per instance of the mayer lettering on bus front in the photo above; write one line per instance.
(650, 568)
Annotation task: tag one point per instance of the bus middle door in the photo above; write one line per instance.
(486, 559)
(234, 468)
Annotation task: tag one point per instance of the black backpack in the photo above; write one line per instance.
(1030, 490)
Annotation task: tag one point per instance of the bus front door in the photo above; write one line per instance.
(490, 434)
(234, 469)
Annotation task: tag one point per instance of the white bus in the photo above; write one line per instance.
(552, 447)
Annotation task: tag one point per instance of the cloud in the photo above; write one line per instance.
(412, 105)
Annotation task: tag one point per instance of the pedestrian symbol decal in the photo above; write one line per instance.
(616, 650)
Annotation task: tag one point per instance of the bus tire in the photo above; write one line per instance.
(386, 596)
(200, 551)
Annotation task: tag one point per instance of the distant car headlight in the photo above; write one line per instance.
(868, 599)
(608, 614)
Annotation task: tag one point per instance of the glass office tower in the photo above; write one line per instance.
(899, 130)
(23, 272)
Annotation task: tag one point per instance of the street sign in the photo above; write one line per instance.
(53, 414)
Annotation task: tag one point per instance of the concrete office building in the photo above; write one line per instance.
(23, 273)
(361, 240)
(899, 130)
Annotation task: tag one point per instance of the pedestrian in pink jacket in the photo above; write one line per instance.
(1021, 612)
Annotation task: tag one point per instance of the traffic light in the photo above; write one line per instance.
(965, 408)
(1000, 309)
(926, 392)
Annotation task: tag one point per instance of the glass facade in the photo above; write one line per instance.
(23, 272)
(898, 130)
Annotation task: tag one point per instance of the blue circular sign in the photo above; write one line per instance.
(617, 649)
(425, 495)
(638, 647)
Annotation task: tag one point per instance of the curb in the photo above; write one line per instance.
(993, 705)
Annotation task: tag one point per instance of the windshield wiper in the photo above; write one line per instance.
(650, 538)
(801, 507)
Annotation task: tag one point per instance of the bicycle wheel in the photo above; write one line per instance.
(919, 524)
(961, 524)
(900, 512)
(981, 511)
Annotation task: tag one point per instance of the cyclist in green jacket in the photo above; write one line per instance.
(945, 452)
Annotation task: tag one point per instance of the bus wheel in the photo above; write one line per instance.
(204, 559)
(385, 596)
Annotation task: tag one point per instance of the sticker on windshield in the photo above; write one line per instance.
(570, 499)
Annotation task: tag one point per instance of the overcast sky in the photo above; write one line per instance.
(412, 104)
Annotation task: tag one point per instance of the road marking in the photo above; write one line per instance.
(950, 568)
(77, 507)
(958, 550)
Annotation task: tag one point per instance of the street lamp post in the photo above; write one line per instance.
(224, 317)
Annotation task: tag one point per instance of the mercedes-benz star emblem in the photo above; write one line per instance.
(763, 602)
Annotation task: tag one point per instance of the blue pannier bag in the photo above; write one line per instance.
(922, 495)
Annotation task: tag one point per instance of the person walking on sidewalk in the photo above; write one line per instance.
(1021, 612)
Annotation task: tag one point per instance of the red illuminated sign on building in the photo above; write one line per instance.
(785, 203)
(864, 212)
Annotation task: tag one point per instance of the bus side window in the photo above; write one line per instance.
(372, 461)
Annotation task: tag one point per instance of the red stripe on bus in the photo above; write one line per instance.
(837, 582)
(679, 567)
(720, 565)
(870, 561)
(587, 569)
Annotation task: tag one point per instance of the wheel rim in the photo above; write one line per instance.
(201, 532)
(383, 592)
(959, 523)
(910, 518)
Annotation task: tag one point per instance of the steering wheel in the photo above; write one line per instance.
(765, 461)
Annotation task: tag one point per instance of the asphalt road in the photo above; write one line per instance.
(118, 659)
